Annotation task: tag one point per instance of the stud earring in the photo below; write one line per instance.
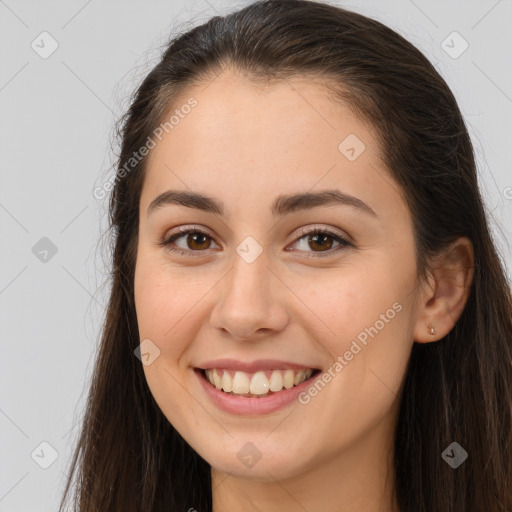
(431, 330)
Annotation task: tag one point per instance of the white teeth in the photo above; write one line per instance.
(299, 376)
(276, 381)
(227, 382)
(288, 379)
(216, 380)
(240, 383)
(258, 384)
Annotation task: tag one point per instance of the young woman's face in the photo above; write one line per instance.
(250, 282)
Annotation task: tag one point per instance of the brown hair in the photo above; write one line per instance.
(129, 458)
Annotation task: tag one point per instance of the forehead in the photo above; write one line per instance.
(246, 143)
(302, 105)
(273, 128)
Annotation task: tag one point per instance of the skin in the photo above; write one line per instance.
(244, 144)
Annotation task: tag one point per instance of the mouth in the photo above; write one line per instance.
(259, 384)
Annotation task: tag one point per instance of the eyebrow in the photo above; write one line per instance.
(282, 205)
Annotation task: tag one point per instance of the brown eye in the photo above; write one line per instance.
(321, 241)
(317, 242)
(196, 241)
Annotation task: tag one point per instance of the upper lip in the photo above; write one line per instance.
(252, 366)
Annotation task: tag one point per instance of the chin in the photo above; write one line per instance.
(256, 465)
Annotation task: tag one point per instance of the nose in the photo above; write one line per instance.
(251, 301)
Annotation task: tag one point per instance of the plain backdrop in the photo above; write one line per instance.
(67, 70)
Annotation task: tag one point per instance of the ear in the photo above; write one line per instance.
(444, 295)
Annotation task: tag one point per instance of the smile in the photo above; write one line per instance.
(260, 383)
(247, 403)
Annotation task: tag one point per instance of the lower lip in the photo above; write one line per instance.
(247, 405)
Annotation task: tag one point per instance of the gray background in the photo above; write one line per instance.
(56, 123)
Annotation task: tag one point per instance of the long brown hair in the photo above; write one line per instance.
(129, 458)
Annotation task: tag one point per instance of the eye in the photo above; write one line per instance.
(197, 240)
(322, 238)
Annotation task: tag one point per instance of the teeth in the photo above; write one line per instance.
(276, 381)
(216, 380)
(299, 376)
(258, 384)
(227, 383)
(288, 379)
(241, 383)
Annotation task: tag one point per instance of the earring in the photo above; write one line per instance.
(431, 329)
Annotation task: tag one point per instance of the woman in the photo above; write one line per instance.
(307, 309)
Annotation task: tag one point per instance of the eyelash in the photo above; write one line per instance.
(167, 241)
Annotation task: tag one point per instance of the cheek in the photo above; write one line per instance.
(171, 305)
(361, 318)
(347, 300)
(162, 297)
(365, 330)
(164, 306)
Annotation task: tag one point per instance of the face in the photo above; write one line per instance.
(256, 282)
